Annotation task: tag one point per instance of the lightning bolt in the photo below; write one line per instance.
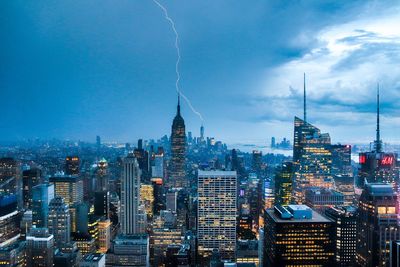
(178, 59)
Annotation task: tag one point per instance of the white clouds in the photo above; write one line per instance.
(342, 72)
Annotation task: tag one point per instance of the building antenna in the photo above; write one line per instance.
(378, 142)
(305, 100)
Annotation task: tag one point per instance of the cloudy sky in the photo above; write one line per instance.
(77, 69)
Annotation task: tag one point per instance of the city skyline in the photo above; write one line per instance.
(93, 79)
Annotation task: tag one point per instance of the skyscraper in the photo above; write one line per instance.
(10, 179)
(177, 175)
(130, 196)
(295, 235)
(345, 219)
(378, 224)
(9, 220)
(376, 165)
(284, 184)
(59, 222)
(312, 157)
(72, 165)
(69, 187)
(217, 211)
(42, 195)
(30, 178)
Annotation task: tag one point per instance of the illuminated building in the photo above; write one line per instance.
(312, 157)
(377, 166)
(93, 227)
(217, 211)
(147, 198)
(101, 173)
(255, 196)
(85, 243)
(41, 196)
(9, 220)
(158, 190)
(295, 235)
(177, 175)
(104, 239)
(269, 196)
(13, 255)
(130, 196)
(93, 260)
(69, 187)
(320, 199)
(345, 219)
(129, 250)
(39, 248)
(284, 184)
(10, 179)
(59, 222)
(160, 238)
(247, 252)
(72, 164)
(30, 178)
(378, 224)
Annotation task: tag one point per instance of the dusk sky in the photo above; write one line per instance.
(77, 69)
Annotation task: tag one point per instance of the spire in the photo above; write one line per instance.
(378, 142)
(178, 111)
(305, 100)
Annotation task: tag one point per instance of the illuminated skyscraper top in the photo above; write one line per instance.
(177, 177)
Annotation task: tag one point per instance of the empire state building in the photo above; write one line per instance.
(177, 176)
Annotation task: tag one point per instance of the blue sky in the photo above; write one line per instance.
(77, 69)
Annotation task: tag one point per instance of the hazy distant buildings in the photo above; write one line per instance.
(217, 193)
(295, 235)
(177, 175)
(378, 224)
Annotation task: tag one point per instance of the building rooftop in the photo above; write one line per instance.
(93, 257)
(216, 173)
(295, 213)
(379, 189)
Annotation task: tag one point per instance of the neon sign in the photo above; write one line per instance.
(362, 159)
(387, 160)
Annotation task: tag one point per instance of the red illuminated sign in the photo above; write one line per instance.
(362, 159)
(387, 160)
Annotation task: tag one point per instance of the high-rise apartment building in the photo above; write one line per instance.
(217, 211)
